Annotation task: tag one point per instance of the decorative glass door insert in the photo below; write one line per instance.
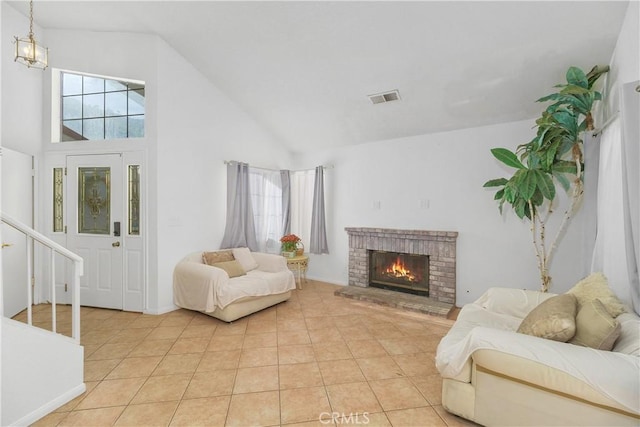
(94, 200)
(58, 200)
(133, 209)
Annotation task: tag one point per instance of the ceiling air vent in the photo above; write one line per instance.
(379, 98)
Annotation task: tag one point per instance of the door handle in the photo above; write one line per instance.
(6, 245)
(115, 244)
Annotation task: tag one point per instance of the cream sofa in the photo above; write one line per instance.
(197, 286)
(493, 375)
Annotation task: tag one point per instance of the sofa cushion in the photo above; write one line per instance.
(233, 268)
(553, 319)
(595, 327)
(211, 258)
(629, 341)
(244, 257)
(596, 286)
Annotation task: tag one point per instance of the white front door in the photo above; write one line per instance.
(17, 202)
(95, 225)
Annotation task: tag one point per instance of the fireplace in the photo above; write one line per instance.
(399, 271)
(438, 248)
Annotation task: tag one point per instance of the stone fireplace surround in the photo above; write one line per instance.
(440, 246)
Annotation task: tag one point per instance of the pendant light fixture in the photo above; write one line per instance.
(28, 51)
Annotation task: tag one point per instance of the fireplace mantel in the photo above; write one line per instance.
(440, 246)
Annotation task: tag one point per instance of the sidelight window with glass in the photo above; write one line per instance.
(133, 200)
(58, 200)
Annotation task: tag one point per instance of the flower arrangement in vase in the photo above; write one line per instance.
(289, 245)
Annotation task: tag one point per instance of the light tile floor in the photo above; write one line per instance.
(315, 360)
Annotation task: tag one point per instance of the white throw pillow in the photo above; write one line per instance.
(244, 257)
(596, 286)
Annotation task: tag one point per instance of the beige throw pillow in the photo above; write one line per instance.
(553, 319)
(233, 268)
(211, 258)
(596, 286)
(595, 327)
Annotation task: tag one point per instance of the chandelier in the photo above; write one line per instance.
(28, 51)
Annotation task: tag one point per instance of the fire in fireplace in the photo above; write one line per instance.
(399, 272)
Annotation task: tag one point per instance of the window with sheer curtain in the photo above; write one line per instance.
(280, 202)
(266, 200)
(302, 204)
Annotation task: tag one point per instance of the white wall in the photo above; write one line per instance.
(198, 129)
(191, 128)
(445, 171)
(21, 88)
(448, 170)
(108, 54)
(625, 61)
(1, 284)
(115, 55)
(41, 371)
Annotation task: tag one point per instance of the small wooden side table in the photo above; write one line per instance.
(299, 264)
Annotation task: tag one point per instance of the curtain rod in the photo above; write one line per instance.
(607, 122)
(226, 162)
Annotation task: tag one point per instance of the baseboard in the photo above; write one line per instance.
(51, 406)
(162, 310)
(331, 282)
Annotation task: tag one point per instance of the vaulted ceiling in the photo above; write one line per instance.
(304, 69)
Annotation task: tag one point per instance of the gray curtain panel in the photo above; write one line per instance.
(318, 222)
(285, 177)
(240, 230)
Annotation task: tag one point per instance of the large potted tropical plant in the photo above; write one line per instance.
(554, 156)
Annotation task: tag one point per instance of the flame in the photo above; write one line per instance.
(399, 270)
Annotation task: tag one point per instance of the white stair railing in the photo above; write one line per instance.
(78, 267)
